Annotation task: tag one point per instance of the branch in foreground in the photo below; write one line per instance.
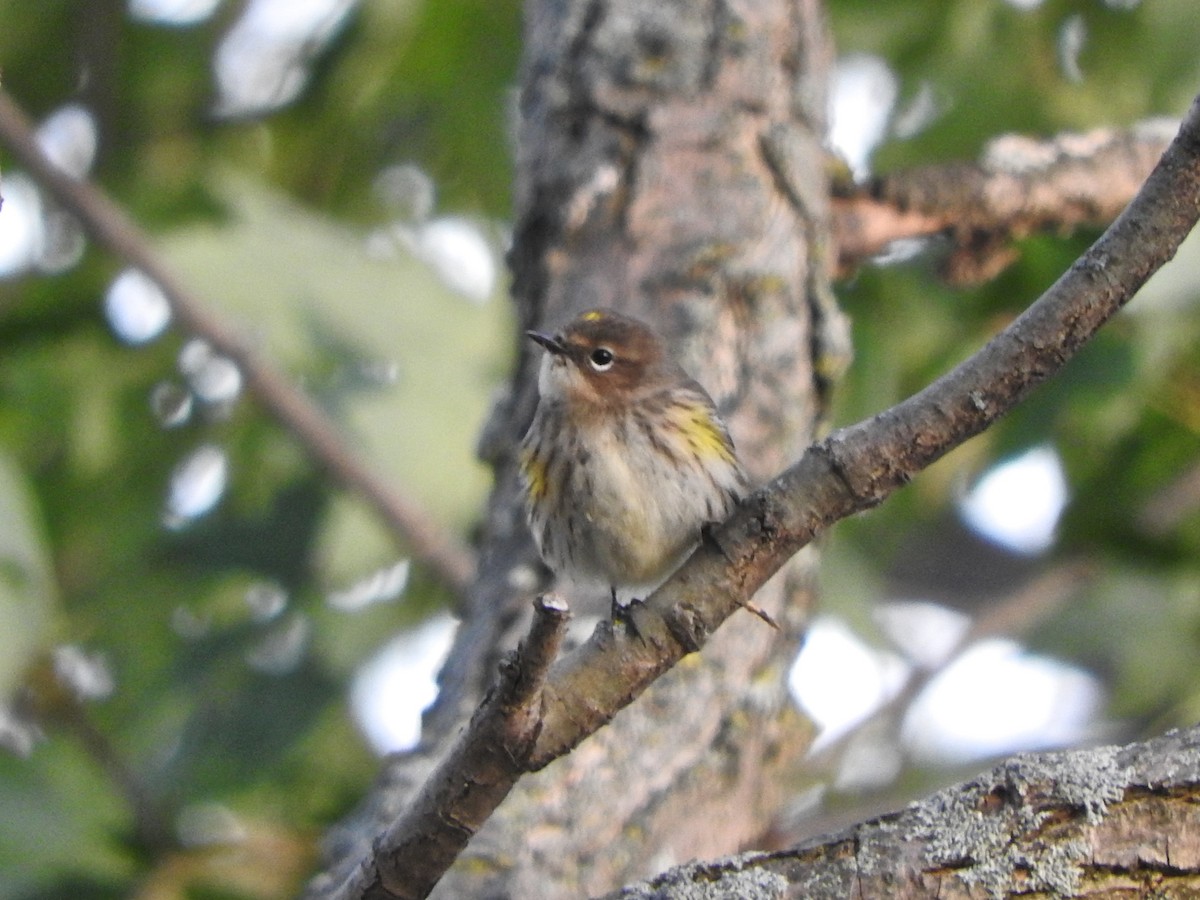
(850, 471)
(109, 226)
(1107, 822)
(1021, 186)
(487, 759)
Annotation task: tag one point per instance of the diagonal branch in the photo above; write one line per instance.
(858, 467)
(850, 471)
(476, 773)
(440, 550)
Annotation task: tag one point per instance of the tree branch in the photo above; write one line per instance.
(851, 470)
(438, 549)
(637, 121)
(1108, 822)
(1020, 187)
(486, 760)
(856, 468)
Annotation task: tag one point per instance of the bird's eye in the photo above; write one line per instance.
(601, 359)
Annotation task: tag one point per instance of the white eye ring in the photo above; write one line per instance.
(601, 359)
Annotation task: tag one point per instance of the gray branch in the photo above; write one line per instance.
(1109, 822)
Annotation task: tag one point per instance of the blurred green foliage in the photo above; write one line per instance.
(1123, 415)
(266, 216)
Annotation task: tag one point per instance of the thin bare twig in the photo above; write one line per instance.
(851, 470)
(442, 552)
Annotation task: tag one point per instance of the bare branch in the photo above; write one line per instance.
(858, 467)
(851, 470)
(1107, 822)
(486, 761)
(1021, 186)
(452, 561)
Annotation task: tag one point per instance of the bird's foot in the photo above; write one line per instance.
(622, 614)
(708, 537)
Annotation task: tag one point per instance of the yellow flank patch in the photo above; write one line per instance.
(698, 428)
(592, 315)
(534, 470)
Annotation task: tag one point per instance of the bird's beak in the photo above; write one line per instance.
(549, 341)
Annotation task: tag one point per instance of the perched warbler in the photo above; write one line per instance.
(626, 459)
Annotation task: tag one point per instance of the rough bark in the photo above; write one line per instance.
(639, 124)
(697, 765)
(1113, 822)
(847, 472)
(669, 165)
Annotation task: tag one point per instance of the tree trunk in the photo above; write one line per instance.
(669, 165)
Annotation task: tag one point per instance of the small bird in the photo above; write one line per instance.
(626, 460)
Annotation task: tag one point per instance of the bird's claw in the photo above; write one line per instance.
(622, 614)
